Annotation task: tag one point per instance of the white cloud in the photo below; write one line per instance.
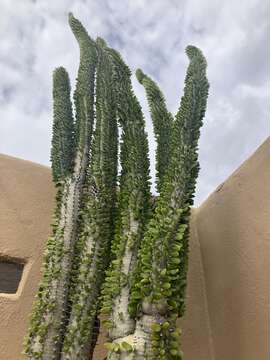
(151, 35)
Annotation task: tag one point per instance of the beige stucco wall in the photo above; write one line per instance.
(233, 226)
(26, 200)
(228, 302)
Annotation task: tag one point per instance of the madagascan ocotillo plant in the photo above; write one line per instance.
(117, 249)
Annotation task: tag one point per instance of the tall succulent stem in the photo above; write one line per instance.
(97, 225)
(51, 306)
(162, 269)
(162, 121)
(134, 204)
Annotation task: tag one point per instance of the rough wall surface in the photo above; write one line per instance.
(26, 201)
(233, 226)
(228, 302)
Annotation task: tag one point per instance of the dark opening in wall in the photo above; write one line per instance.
(10, 275)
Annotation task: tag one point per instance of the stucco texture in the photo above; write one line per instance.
(26, 202)
(228, 299)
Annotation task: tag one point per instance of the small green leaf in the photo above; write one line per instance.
(109, 346)
(174, 352)
(163, 272)
(166, 286)
(165, 325)
(156, 327)
(126, 346)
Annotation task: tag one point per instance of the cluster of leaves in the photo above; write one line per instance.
(119, 347)
(165, 341)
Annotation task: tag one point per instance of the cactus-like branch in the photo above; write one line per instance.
(97, 225)
(62, 152)
(51, 306)
(134, 207)
(161, 277)
(83, 95)
(196, 90)
(162, 121)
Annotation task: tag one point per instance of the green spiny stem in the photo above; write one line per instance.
(61, 167)
(83, 95)
(162, 123)
(196, 91)
(134, 203)
(159, 284)
(50, 310)
(98, 218)
(62, 152)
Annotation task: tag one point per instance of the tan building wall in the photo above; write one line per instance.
(228, 302)
(26, 201)
(233, 226)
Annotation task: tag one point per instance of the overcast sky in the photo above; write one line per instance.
(152, 35)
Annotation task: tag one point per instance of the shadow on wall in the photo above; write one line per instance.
(10, 274)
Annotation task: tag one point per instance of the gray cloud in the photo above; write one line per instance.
(151, 35)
